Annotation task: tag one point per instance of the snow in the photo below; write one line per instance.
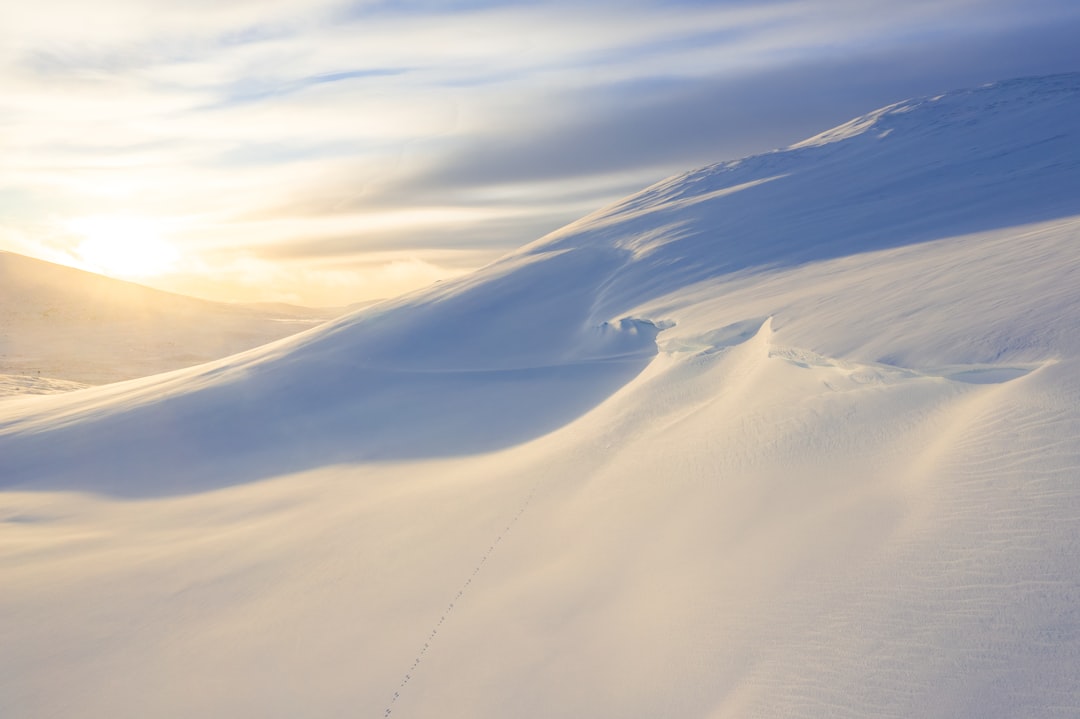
(14, 384)
(790, 436)
(59, 324)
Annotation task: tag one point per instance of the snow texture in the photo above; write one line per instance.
(791, 436)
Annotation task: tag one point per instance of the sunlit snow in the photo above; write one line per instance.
(790, 436)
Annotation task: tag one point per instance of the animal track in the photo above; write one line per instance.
(453, 603)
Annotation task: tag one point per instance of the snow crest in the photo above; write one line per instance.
(794, 435)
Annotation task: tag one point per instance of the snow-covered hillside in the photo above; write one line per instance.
(793, 436)
(60, 327)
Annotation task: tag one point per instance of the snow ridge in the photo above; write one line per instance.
(802, 425)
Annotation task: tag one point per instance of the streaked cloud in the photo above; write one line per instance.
(281, 133)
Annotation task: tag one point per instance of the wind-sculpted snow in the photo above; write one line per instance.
(790, 436)
(479, 367)
(961, 163)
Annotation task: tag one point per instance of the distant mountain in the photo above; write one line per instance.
(57, 322)
(796, 435)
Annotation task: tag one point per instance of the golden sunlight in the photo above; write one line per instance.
(123, 246)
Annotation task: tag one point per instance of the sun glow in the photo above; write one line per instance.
(123, 246)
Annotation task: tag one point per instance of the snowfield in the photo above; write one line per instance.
(792, 436)
(62, 328)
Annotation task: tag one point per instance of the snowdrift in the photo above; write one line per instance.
(794, 435)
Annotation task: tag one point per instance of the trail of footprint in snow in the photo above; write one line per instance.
(457, 597)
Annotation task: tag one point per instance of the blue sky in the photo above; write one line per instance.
(327, 152)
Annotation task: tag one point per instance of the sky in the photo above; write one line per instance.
(328, 152)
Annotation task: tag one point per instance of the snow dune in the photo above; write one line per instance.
(790, 436)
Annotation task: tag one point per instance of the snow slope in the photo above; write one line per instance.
(59, 323)
(790, 436)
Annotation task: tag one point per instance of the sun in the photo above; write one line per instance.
(123, 245)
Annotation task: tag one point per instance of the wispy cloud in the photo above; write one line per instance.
(291, 131)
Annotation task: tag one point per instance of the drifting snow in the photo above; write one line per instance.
(790, 436)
